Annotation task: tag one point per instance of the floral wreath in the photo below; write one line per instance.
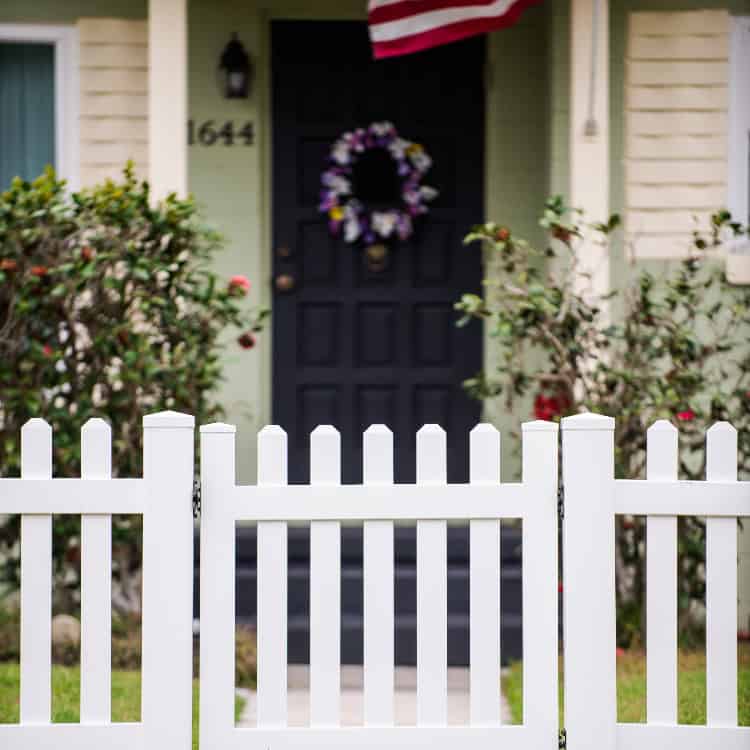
(345, 210)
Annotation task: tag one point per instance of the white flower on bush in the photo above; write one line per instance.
(97, 395)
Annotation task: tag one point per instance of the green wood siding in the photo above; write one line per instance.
(27, 110)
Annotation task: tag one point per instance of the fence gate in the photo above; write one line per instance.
(377, 504)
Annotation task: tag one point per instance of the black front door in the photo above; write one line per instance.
(355, 345)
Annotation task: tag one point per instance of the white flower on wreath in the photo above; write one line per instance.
(338, 183)
(352, 229)
(428, 193)
(398, 148)
(421, 161)
(381, 128)
(341, 152)
(384, 222)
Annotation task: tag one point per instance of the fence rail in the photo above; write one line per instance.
(593, 498)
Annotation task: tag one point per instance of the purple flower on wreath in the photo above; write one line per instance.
(345, 210)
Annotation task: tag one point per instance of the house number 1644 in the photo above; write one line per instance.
(210, 132)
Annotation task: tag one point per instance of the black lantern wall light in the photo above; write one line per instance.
(235, 70)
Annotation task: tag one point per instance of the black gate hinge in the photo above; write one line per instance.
(561, 501)
(562, 740)
(197, 498)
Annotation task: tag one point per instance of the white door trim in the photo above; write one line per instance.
(67, 90)
(738, 151)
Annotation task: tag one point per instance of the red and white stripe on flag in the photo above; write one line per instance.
(399, 27)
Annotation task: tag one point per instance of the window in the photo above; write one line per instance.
(38, 102)
(739, 120)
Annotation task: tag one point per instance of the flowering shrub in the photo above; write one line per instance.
(659, 347)
(108, 308)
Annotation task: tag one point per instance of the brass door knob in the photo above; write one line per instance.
(284, 282)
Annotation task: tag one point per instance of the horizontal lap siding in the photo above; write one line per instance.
(675, 127)
(114, 88)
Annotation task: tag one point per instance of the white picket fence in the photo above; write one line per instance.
(164, 498)
(592, 499)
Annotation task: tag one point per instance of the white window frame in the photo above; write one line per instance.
(738, 151)
(64, 40)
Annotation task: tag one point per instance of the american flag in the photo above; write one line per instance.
(398, 27)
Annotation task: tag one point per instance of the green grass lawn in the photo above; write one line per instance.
(631, 687)
(126, 696)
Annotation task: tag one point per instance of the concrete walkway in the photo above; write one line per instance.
(298, 697)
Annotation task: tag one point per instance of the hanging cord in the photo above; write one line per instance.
(591, 128)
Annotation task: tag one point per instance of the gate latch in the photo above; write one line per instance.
(197, 498)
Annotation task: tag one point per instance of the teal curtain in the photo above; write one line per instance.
(27, 110)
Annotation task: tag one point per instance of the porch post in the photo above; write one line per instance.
(167, 96)
(589, 127)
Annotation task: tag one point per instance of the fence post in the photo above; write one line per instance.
(167, 665)
(589, 582)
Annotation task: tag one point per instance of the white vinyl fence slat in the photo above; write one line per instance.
(484, 585)
(540, 590)
(272, 587)
(721, 586)
(661, 583)
(325, 586)
(432, 587)
(167, 618)
(96, 581)
(589, 569)
(377, 551)
(36, 583)
(217, 574)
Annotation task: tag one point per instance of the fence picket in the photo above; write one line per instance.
(272, 587)
(721, 586)
(484, 585)
(325, 586)
(167, 630)
(377, 552)
(661, 583)
(96, 581)
(589, 569)
(540, 594)
(432, 588)
(36, 583)
(217, 576)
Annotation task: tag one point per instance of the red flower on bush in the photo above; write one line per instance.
(247, 340)
(239, 286)
(87, 253)
(8, 264)
(48, 351)
(39, 271)
(688, 415)
(503, 234)
(548, 407)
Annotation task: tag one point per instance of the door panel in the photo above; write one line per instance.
(353, 345)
